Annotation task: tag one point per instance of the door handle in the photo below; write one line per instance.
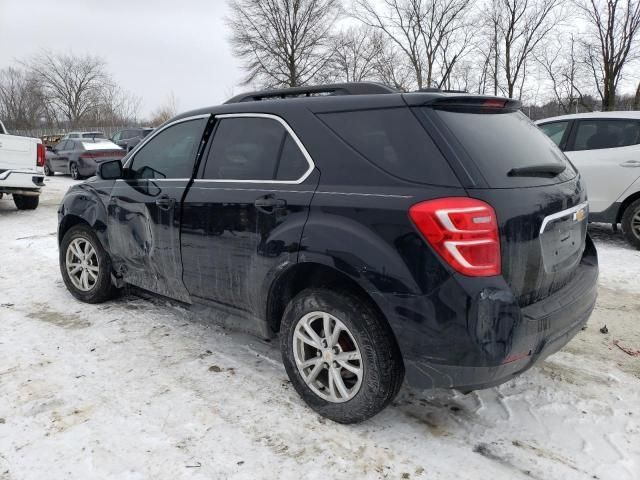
(269, 203)
(165, 202)
(630, 163)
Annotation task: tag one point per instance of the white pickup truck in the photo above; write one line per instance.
(21, 172)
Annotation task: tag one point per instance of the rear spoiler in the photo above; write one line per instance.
(466, 103)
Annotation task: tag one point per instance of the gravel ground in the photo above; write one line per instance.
(138, 388)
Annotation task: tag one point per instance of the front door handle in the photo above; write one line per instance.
(630, 163)
(165, 202)
(269, 203)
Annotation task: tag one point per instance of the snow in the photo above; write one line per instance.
(126, 390)
(100, 144)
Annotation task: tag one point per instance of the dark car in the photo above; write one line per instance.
(130, 137)
(80, 158)
(376, 232)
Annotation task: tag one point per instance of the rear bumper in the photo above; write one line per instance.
(22, 181)
(490, 339)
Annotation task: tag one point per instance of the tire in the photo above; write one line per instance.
(367, 334)
(26, 202)
(47, 170)
(75, 173)
(98, 289)
(631, 224)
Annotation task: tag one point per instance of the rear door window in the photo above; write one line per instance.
(555, 131)
(500, 142)
(394, 140)
(254, 149)
(606, 133)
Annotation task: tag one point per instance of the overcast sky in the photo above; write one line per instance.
(152, 47)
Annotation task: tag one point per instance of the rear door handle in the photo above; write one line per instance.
(165, 202)
(269, 203)
(630, 163)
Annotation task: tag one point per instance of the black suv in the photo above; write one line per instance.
(374, 231)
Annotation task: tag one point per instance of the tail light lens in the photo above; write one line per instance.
(40, 155)
(463, 231)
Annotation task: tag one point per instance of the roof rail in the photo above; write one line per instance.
(355, 88)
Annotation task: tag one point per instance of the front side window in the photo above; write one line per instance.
(555, 130)
(171, 153)
(248, 148)
(603, 133)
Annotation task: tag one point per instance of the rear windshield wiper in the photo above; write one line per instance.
(542, 170)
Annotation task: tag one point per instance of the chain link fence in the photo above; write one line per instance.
(39, 132)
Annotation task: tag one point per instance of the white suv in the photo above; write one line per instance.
(605, 148)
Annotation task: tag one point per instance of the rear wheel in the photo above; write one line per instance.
(75, 173)
(340, 355)
(26, 202)
(631, 224)
(47, 170)
(85, 265)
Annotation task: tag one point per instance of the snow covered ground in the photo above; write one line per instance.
(137, 388)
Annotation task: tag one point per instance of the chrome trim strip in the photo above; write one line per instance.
(563, 213)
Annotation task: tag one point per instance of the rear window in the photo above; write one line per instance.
(500, 142)
(395, 141)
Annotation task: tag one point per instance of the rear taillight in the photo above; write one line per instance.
(463, 231)
(88, 155)
(41, 153)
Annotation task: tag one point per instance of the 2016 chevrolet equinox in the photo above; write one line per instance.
(376, 232)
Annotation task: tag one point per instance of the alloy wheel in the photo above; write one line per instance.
(74, 171)
(635, 223)
(82, 264)
(327, 357)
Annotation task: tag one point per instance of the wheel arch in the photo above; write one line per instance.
(625, 203)
(305, 275)
(83, 207)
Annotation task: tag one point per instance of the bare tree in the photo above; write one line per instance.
(517, 30)
(21, 99)
(116, 107)
(611, 42)
(432, 34)
(72, 83)
(166, 111)
(282, 42)
(564, 71)
(392, 68)
(355, 53)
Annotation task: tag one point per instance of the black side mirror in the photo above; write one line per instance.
(111, 170)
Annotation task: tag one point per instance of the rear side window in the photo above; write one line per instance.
(395, 141)
(598, 134)
(255, 149)
(555, 130)
(500, 142)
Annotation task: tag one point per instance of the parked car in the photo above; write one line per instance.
(80, 157)
(89, 135)
(605, 148)
(50, 141)
(375, 232)
(21, 160)
(130, 137)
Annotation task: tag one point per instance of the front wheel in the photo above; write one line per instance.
(631, 224)
(26, 202)
(85, 265)
(340, 355)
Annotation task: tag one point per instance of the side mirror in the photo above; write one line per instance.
(111, 170)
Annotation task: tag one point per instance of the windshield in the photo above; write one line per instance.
(499, 143)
